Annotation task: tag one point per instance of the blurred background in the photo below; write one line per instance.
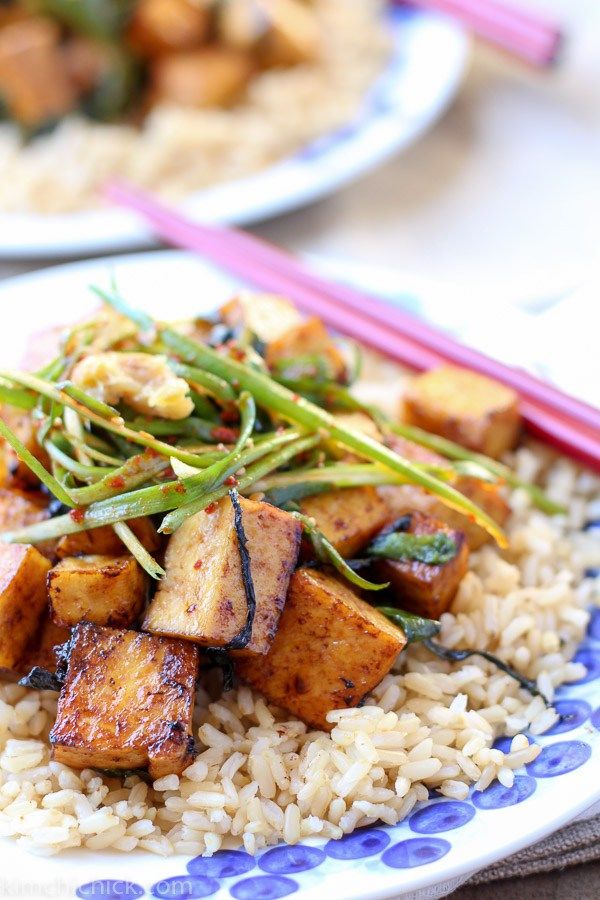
(503, 194)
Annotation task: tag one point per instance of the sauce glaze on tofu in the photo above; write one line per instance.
(331, 648)
(127, 702)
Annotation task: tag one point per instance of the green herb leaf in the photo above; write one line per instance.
(433, 549)
(414, 627)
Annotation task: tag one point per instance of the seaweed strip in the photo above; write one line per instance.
(460, 655)
(243, 637)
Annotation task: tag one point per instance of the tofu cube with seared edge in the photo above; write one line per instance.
(348, 517)
(202, 597)
(40, 652)
(107, 590)
(465, 407)
(23, 572)
(331, 648)
(434, 560)
(127, 702)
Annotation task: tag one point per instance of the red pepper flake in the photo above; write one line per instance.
(151, 452)
(211, 508)
(117, 482)
(198, 564)
(222, 433)
(231, 480)
(179, 488)
(165, 488)
(78, 515)
(296, 398)
(237, 353)
(230, 414)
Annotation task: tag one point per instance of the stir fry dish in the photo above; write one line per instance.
(119, 58)
(208, 505)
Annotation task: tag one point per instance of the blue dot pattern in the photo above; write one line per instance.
(415, 852)
(591, 660)
(359, 844)
(560, 758)
(496, 796)
(263, 888)
(572, 713)
(110, 888)
(442, 816)
(288, 860)
(223, 864)
(185, 887)
(596, 719)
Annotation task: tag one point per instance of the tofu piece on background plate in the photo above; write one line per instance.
(348, 517)
(331, 648)
(23, 572)
(107, 590)
(40, 652)
(420, 587)
(465, 407)
(127, 702)
(202, 597)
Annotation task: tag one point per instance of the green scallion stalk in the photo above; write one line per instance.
(268, 463)
(85, 399)
(17, 397)
(449, 449)
(164, 497)
(83, 472)
(295, 408)
(137, 549)
(35, 465)
(135, 471)
(326, 553)
(217, 387)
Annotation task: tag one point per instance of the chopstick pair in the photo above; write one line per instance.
(561, 420)
(526, 35)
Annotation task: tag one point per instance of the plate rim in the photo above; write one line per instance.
(419, 879)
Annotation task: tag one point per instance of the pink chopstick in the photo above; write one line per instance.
(526, 35)
(561, 420)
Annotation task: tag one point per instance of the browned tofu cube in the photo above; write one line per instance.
(127, 702)
(40, 651)
(348, 517)
(21, 423)
(210, 76)
(35, 86)
(22, 599)
(105, 542)
(293, 33)
(420, 587)
(202, 597)
(162, 26)
(465, 407)
(331, 648)
(307, 339)
(107, 590)
(267, 316)
(402, 499)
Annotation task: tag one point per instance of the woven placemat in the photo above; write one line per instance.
(577, 843)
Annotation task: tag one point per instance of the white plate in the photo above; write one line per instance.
(423, 75)
(469, 837)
